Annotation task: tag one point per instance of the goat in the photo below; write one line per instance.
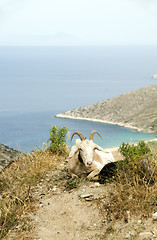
(87, 157)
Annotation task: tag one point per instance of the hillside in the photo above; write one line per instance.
(136, 109)
(7, 156)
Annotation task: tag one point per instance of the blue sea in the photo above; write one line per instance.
(36, 83)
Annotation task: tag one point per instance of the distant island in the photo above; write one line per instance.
(136, 109)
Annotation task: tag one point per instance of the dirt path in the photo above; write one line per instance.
(74, 215)
(65, 214)
(70, 215)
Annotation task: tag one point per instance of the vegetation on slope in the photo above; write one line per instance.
(135, 184)
(19, 181)
(133, 188)
(134, 109)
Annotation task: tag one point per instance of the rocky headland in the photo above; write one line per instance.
(136, 109)
(7, 156)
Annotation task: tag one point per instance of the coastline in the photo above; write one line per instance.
(134, 110)
(120, 124)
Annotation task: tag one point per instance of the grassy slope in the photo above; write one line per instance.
(17, 185)
(20, 180)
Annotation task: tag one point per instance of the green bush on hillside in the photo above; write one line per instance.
(135, 183)
(131, 151)
(57, 139)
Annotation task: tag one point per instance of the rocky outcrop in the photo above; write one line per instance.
(7, 156)
(136, 109)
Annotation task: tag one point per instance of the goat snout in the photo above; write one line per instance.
(89, 163)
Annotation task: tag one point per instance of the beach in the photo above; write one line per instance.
(125, 125)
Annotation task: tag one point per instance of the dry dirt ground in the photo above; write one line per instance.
(73, 214)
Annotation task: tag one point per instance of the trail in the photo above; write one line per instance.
(74, 214)
(70, 215)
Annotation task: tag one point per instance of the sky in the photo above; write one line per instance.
(78, 22)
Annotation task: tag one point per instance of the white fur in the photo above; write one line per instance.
(93, 156)
(106, 156)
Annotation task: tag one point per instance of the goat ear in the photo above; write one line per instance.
(74, 149)
(97, 147)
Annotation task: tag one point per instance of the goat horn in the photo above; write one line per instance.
(79, 134)
(92, 134)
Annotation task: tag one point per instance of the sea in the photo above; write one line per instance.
(36, 83)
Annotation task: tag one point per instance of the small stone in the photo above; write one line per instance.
(129, 235)
(96, 184)
(139, 221)
(154, 216)
(85, 195)
(89, 199)
(54, 188)
(146, 235)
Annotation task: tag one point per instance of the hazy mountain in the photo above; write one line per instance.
(59, 39)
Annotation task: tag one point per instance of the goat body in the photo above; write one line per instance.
(87, 157)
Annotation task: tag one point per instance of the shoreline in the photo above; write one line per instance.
(120, 124)
(114, 148)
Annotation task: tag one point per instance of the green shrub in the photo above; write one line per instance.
(137, 162)
(131, 151)
(135, 184)
(57, 139)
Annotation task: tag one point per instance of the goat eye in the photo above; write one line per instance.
(80, 149)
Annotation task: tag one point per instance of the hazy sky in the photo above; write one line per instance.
(73, 22)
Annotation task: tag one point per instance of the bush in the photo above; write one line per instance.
(131, 151)
(135, 183)
(57, 139)
(137, 161)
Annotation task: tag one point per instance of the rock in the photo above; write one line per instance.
(129, 235)
(154, 216)
(154, 76)
(7, 156)
(54, 188)
(139, 221)
(96, 184)
(85, 195)
(145, 235)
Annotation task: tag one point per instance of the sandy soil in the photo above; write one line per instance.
(65, 215)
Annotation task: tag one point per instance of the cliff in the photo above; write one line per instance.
(136, 109)
(7, 156)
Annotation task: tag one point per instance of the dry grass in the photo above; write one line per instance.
(16, 186)
(134, 191)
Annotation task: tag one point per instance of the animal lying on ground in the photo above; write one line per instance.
(87, 157)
